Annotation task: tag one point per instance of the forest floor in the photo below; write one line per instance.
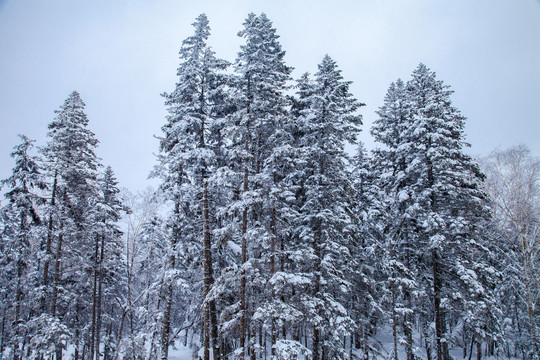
(384, 339)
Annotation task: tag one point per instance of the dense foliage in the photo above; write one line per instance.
(266, 238)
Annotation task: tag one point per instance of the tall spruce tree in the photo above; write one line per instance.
(437, 254)
(190, 149)
(73, 171)
(108, 277)
(397, 226)
(448, 203)
(260, 102)
(324, 223)
(368, 275)
(19, 236)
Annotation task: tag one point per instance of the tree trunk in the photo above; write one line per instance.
(440, 323)
(99, 297)
(272, 272)
(243, 305)
(57, 266)
(77, 339)
(253, 341)
(107, 346)
(166, 329)
(407, 327)
(48, 245)
(316, 290)
(153, 346)
(214, 330)
(394, 324)
(437, 304)
(3, 332)
(16, 320)
(428, 348)
(56, 283)
(94, 299)
(471, 350)
(166, 322)
(20, 270)
(119, 335)
(206, 332)
(315, 345)
(210, 325)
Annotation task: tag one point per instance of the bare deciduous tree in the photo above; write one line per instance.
(513, 183)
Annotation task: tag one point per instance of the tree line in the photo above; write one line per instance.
(266, 238)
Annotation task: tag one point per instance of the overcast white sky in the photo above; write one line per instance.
(121, 55)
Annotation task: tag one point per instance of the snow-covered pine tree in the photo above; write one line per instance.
(20, 218)
(275, 313)
(368, 275)
(108, 277)
(324, 224)
(396, 224)
(448, 203)
(259, 98)
(189, 160)
(73, 172)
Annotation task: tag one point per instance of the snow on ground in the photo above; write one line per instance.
(180, 353)
(384, 338)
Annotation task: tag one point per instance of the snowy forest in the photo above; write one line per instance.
(274, 233)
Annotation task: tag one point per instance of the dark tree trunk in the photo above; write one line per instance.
(440, 322)
(57, 270)
(427, 344)
(166, 322)
(48, 245)
(3, 332)
(243, 305)
(316, 290)
(119, 335)
(407, 328)
(210, 321)
(437, 304)
(18, 297)
(94, 300)
(272, 272)
(394, 324)
(57, 267)
(99, 297)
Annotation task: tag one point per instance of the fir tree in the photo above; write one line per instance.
(368, 275)
(20, 217)
(190, 150)
(108, 281)
(324, 224)
(395, 209)
(259, 91)
(73, 170)
(449, 202)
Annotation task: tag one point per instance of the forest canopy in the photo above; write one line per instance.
(267, 238)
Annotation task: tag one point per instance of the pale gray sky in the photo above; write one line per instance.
(121, 55)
